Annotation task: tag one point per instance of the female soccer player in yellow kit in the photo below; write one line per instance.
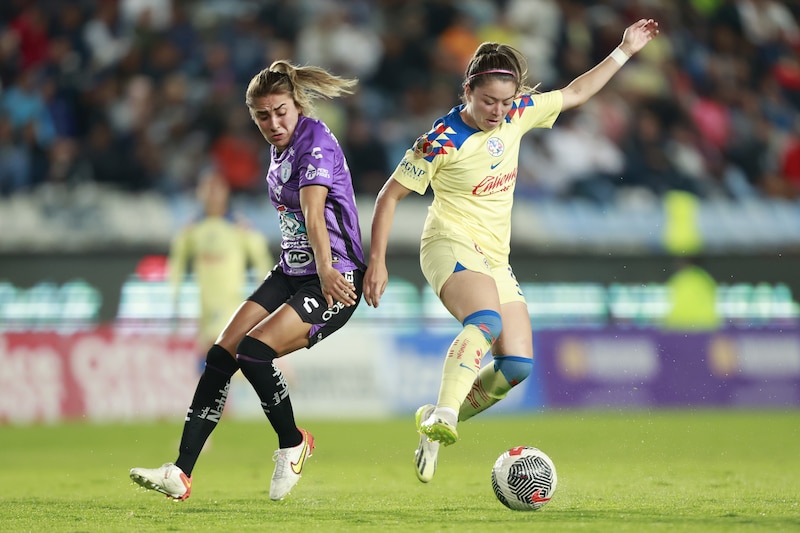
(219, 247)
(469, 158)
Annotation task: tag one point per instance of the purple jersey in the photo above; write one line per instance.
(314, 157)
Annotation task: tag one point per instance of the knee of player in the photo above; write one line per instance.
(488, 322)
(513, 368)
(252, 349)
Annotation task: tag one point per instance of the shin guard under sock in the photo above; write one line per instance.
(256, 361)
(206, 407)
(461, 366)
(493, 383)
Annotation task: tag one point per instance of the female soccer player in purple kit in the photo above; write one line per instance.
(311, 292)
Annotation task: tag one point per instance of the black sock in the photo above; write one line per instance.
(207, 405)
(256, 361)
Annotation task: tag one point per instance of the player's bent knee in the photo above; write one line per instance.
(219, 360)
(488, 321)
(251, 349)
(514, 368)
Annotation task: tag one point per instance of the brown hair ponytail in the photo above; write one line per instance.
(305, 84)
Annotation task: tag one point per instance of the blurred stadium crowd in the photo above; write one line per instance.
(140, 95)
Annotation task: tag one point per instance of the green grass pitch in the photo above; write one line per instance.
(619, 471)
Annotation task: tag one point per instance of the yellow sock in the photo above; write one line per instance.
(461, 366)
(489, 387)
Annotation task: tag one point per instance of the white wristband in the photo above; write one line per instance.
(619, 56)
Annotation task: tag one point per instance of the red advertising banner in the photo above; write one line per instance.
(97, 375)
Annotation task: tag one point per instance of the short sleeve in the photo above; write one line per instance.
(416, 169)
(316, 156)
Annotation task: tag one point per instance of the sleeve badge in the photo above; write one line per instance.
(423, 147)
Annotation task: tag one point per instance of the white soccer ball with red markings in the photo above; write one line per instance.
(524, 478)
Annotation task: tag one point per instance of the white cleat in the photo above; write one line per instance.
(436, 428)
(167, 479)
(289, 464)
(427, 452)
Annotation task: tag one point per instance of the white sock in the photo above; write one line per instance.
(447, 414)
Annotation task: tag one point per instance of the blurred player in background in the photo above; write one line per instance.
(311, 293)
(470, 159)
(220, 249)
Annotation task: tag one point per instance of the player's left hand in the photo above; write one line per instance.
(637, 35)
(375, 281)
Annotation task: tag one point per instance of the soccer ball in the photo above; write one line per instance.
(524, 478)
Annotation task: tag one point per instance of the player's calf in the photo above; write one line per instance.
(494, 382)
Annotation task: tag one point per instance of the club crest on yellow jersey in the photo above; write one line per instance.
(495, 146)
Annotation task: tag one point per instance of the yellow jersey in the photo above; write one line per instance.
(473, 173)
(220, 249)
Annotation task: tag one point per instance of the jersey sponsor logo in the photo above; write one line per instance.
(495, 147)
(332, 311)
(311, 172)
(494, 184)
(290, 225)
(410, 169)
(316, 152)
(286, 171)
(298, 258)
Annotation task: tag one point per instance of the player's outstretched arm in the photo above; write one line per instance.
(635, 37)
